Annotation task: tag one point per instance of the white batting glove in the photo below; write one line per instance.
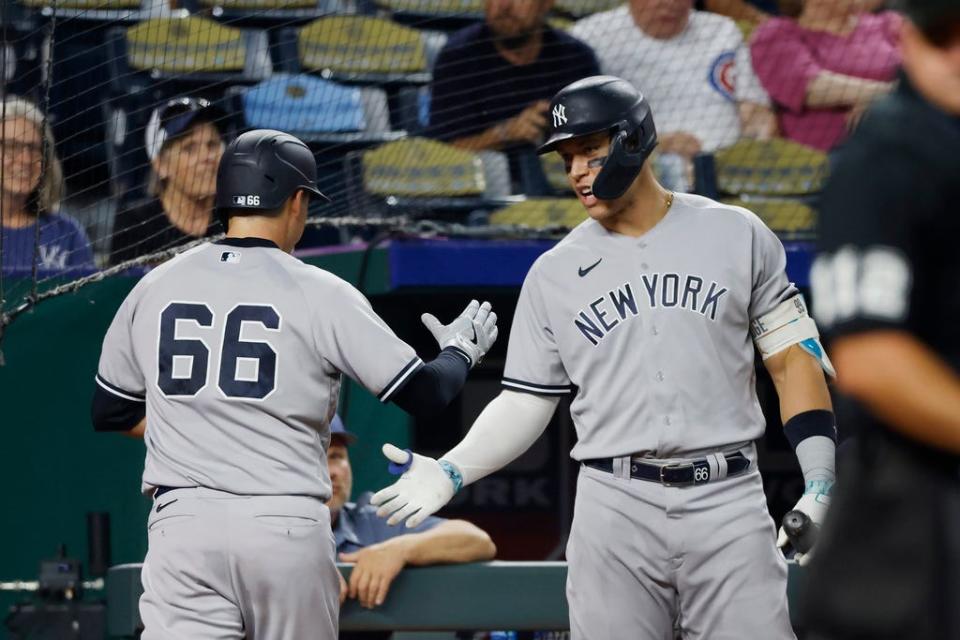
(472, 333)
(423, 488)
(815, 506)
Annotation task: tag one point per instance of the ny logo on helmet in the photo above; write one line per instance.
(559, 115)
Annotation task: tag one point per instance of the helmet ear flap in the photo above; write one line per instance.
(621, 168)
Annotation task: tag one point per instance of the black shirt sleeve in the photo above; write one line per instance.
(434, 385)
(112, 409)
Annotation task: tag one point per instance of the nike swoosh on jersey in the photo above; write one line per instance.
(161, 507)
(584, 271)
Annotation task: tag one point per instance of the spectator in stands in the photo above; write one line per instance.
(823, 68)
(184, 141)
(381, 551)
(32, 229)
(695, 71)
(493, 81)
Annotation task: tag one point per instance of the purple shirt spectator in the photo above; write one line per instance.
(63, 247)
(787, 58)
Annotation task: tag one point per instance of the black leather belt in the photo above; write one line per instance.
(159, 491)
(676, 475)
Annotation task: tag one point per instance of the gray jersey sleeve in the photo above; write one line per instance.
(533, 359)
(119, 372)
(770, 284)
(357, 342)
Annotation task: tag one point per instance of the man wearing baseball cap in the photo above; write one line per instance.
(381, 551)
(184, 140)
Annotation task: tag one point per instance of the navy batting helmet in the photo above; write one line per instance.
(260, 169)
(605, 103)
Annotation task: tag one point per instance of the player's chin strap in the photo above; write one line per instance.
(787, 325)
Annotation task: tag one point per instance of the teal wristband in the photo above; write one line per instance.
(822, 487)
(455, 476)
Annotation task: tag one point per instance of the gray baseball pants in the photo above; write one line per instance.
(222, 567)
(644, 558)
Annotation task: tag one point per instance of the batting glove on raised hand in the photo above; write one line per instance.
(814, 505)
(472, 333)
(423, 488)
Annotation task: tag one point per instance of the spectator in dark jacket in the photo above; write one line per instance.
(184, 141)
(493, 81)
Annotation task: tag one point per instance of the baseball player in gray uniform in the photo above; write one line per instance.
(229, 358)
(646, 312)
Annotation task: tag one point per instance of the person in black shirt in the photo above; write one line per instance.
(886, 290)
(184, 141)
(493, 81)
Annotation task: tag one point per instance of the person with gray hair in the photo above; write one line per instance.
(184, 141)
(32, 231)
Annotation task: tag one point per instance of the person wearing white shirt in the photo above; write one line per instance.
(694, 69)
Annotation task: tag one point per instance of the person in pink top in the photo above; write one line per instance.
(823, 68)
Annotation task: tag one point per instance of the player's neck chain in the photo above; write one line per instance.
(669, 202)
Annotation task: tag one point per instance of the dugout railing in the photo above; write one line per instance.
(481, 596)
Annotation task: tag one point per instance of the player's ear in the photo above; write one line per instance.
(299, 201)
(160, 166)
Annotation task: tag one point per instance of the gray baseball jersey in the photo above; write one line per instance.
(654, 332)
(240, 384)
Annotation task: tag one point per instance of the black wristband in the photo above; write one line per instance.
(817, 422)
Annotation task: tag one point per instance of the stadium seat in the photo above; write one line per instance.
(425, 177)
(776, 167)
(184, 53)
(105, 11)
(333, 119)
(778, 179)
(268, 13)
(541, 212)
(365, 50)
(318, 110)
(442, 15)
(360, 48)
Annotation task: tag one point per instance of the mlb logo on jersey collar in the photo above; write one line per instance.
(231, 257)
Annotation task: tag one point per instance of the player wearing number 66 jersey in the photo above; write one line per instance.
(228, 359)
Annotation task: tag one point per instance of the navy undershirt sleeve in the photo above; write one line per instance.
(434, 385)
(110, 412)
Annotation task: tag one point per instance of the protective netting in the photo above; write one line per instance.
(423, 114)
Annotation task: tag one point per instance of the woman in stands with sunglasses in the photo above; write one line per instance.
(31, 182)
(184, 141)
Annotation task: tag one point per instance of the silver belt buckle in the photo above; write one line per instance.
(681, 465)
